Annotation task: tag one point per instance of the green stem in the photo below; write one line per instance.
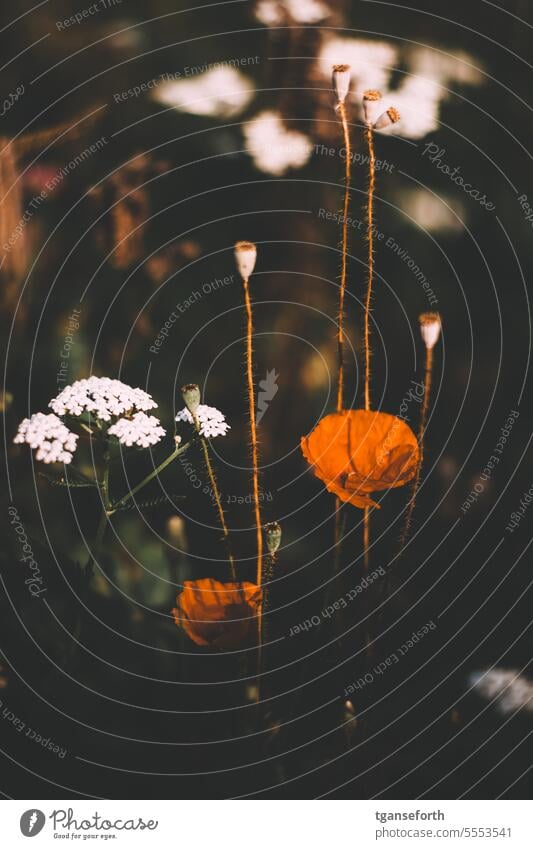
(88, 570)
(102, 524)
(105, 481)
(98, 540)
(124, 500)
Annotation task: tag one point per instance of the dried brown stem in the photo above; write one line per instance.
(344, 256)
(368, 301)
(421, 434)
(253, 434)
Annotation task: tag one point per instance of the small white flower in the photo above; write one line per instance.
(221, 92)
(44, 432)
(103, 397)
(510, 690)
(141, 430)
(273, 148)
(212, 421)
(370, 61)
(275, 12)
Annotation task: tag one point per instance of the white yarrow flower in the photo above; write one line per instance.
(212, 421)
(103, 397)
(46, 433)
(141, 430)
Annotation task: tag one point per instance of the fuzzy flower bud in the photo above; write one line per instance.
(245, 256)
(387, 118)
(191, 397)
(370, 98)
(341, 81)
(273, 537)
(430, 327)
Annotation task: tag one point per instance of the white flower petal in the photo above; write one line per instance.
(212, 421)
(46, 433)
(141, 430)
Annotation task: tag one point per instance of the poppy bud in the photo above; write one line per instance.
(430, 326)
(341, 81)
(245, 256)
(370, 98)
(387, 118)
(191, 397)
(273, 537)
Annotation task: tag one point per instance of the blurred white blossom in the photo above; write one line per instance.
(511, 690)
(428, 80)
(418, 101)
(451, 67)
(273, 147)
(46, 433)
(371, 62)
(141, 430)
(212, 421)
(432, 214)
(221, 92)
(103, 397)
(272, 13)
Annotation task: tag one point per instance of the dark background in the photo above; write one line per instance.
(142, 711)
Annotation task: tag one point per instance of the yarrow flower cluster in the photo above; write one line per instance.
(54, 442)
(141, 430)
(108, 400)
(101, 396)
(212, 421)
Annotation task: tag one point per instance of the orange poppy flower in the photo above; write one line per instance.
(218, 615)
(356, 452)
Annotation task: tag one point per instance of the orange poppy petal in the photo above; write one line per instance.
(356, 452)
(354, 498)
(216, 614)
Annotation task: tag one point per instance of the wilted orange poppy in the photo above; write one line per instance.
(218, 615)
(356, 452)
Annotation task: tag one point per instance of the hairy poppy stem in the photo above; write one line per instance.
(366, 538)
(253, 433)
(218, 501)
(342, 293)
(266, 577)
(421, 434)
(370, 279)
(344, 255)
(370, 239)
